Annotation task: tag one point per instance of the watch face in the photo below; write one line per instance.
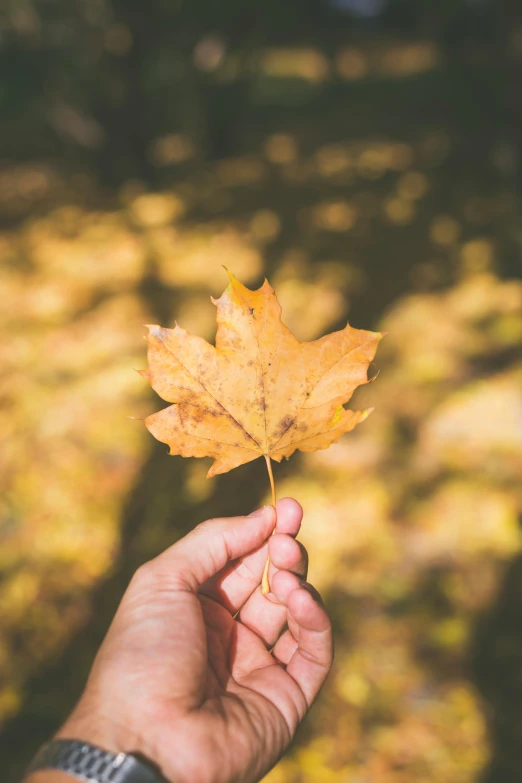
(91, 764)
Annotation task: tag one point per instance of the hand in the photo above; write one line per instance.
(197, 672)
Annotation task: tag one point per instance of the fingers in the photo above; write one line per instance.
(208, 548)
(265, 614)
(283, 584)
(307, 646)
(236, 583)
(312, 630)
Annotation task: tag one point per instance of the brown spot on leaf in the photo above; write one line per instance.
(283, 426)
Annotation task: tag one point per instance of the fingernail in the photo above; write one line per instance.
(259, 512)
(272, 597)
(313, 592)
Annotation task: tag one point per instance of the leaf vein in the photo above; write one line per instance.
(210, 394)
(361, 345)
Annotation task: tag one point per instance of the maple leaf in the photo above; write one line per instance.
(258, 391)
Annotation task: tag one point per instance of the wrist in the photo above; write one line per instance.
(62, 759)
(97, 721)
(90, 724)
(96, 729)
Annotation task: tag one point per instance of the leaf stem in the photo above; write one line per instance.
(265, 584)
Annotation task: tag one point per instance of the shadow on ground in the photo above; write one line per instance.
(56, 688)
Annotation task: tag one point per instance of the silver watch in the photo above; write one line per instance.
(93, 765)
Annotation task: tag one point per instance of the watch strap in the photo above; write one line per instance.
(91, 764)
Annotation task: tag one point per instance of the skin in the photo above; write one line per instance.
(200, 673)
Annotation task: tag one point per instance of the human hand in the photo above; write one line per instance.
(197, 672)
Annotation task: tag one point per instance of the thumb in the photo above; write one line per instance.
(208, 548)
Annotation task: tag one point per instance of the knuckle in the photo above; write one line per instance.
(143, 573)
(208, 526)
(245, 572)
(154, 575)
(215, 532)
(142, 580)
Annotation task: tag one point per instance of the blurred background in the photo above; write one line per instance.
(365, 155)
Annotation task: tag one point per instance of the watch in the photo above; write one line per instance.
(93, 765)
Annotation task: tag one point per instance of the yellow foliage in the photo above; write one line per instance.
(416, 511)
